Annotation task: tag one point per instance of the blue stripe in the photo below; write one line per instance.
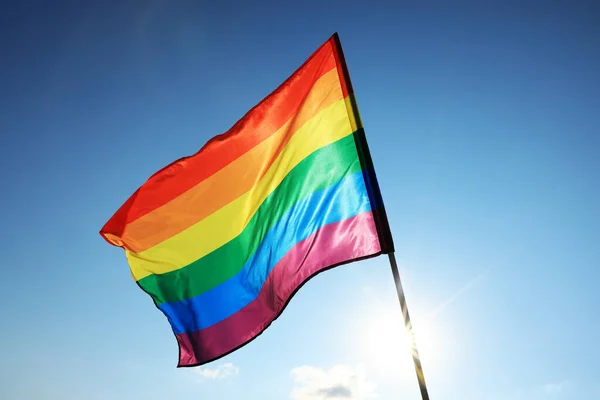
(338, 202)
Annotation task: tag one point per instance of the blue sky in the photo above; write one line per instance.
(482, 118)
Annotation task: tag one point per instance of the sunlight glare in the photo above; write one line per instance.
(388, 345)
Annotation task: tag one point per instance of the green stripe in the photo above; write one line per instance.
(321, 169)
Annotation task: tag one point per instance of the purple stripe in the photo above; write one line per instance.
(333, 244)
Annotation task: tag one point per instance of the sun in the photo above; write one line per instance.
(388, 344)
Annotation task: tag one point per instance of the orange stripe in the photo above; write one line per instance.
(258, 124)
(230, 182)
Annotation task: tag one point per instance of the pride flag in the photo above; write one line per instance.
(222, 239)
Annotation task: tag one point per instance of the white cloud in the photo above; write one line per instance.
(227, 370)
(555, 388)
(340, 382)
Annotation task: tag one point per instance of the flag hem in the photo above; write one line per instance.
(268, 324)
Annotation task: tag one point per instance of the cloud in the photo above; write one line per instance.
(227, 370)
(552, 389)
(340, 382)
(336, 391)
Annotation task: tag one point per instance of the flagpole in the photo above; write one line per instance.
(383, 229)
(408, 325)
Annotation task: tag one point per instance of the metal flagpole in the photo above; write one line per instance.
(381, 219)
(408, 325)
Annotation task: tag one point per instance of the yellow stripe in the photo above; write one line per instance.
(355, 121)
(328, 126)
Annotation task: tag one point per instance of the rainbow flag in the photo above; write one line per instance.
(222, 239)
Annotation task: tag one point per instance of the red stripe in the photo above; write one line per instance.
(332, 245)
(339, 63)
(257, 125)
